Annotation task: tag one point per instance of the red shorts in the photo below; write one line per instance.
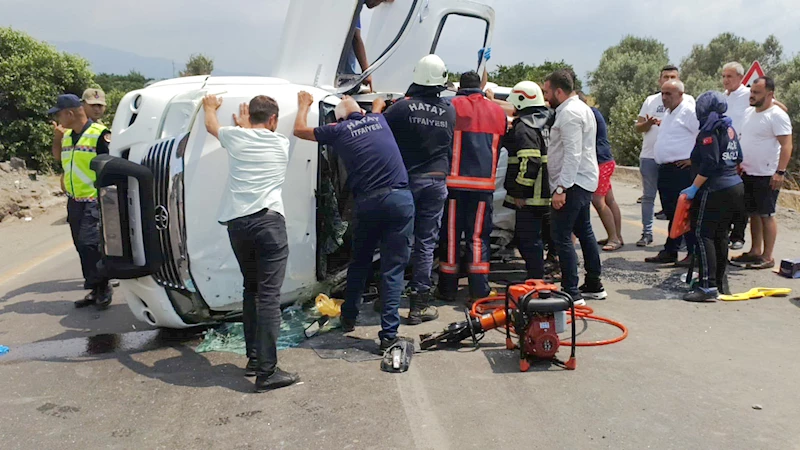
(604, 185)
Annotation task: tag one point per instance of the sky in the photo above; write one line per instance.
(243, 35)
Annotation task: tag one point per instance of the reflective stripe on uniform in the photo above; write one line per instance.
(448, 268)
(515, 160)
(477, 239)
(530, 201)
(495, 145)
(523, 168)
(456, 169)
(452, 243)
(529, 153)
(479, 268)
(483, 184)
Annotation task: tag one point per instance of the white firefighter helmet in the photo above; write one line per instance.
(526, 94)
(430, 71)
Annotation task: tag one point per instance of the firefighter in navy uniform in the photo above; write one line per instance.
(82, 141)
(480, 125)
(527, 186)
(422, 124)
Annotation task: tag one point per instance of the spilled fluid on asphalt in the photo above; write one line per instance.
(101, 344)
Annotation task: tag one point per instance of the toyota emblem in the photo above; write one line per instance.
(162, 218)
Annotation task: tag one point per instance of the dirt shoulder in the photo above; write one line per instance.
(26, 194)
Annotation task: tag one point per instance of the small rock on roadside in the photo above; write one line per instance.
(18, 164)
(758, 407)
(5, 167)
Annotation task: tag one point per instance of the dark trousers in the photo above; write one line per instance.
(547, 236)
(261, 247)
(740, 220)
(384, 221)
(84, 223)
(530, 232)
(574, 217)
(470, 214)
(671, 181)
(429, 194)
(712, 214)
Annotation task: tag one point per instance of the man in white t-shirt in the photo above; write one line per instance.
(738, 97)
(766, 138)
(673, 148)
(649, 122)
(253, 211)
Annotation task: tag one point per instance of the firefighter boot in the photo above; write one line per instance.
(421, 309)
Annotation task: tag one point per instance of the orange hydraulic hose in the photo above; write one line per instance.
(489, 305)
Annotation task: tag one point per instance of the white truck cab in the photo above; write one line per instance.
(161, 187)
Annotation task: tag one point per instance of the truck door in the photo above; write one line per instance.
(459, 27)
(314, 33)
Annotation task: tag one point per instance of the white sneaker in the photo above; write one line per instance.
(593, 291)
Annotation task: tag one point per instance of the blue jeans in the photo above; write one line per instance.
(574, 217)
(671, 181)
(429, 194)
(529, 224)
(648, 168)
(384, 221)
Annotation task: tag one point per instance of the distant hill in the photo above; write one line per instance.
(111, 60)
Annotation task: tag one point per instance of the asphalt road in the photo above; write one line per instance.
(687, 377)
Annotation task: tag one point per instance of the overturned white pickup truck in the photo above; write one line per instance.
(161, 187)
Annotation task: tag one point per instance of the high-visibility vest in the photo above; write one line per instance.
(79, 178)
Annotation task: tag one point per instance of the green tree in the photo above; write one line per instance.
(701, 70)
(630, 68)
(198, 64)
(627, 73)
(626, 142)
(115, 87)
(123, 83)
(32, 75)
(787, 77)
(511, 75)
(113, 98)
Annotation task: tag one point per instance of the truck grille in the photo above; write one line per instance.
(167, 212)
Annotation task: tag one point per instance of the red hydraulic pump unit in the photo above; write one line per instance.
(534, 311)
